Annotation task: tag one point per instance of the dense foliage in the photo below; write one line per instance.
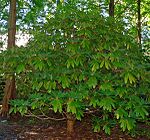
(80, 60)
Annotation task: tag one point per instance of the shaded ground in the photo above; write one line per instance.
(25, 130)
(7, 132)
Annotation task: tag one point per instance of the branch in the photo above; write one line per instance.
(45, 117)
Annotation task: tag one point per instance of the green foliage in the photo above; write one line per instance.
(79, 59)
(104, 124)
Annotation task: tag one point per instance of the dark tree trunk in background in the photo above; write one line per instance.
(139, 21)
(10, 87)
(111, 8)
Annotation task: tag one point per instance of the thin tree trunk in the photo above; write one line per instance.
(10, 88)
(139, 22)
(111, 8)
(70, 126)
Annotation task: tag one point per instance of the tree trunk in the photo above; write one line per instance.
(70, 126)
(139, 22)
(10, 88)
(9, 93)
(111, 8)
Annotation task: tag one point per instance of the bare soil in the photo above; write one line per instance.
(31, 129)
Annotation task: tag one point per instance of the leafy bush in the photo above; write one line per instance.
(78, 60)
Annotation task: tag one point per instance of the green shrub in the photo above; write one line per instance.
(77, 60)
